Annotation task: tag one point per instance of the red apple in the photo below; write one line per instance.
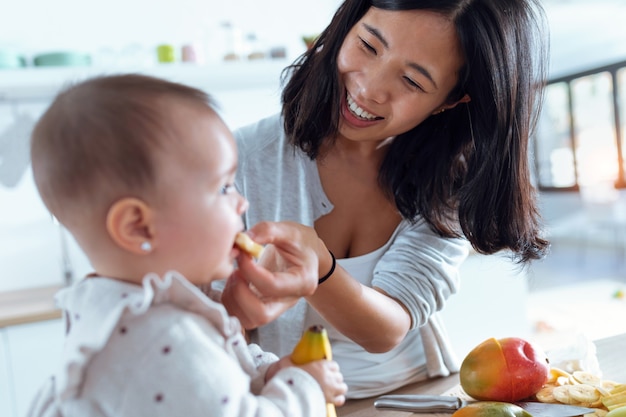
(508, 369)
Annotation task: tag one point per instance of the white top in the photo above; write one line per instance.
(390, 368)
(164, 349)
(416, 267)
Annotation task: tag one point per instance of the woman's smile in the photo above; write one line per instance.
(355, 115)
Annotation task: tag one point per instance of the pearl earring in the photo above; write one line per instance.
(146, 246)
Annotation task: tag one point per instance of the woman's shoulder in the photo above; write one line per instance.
(260, 134)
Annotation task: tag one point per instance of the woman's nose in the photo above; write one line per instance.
(374, 86)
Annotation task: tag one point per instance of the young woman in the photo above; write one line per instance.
(403, 136)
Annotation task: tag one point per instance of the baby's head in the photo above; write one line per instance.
(140, 171)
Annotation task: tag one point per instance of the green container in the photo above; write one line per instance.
(62, 59)
(166, 53)
(11, 59)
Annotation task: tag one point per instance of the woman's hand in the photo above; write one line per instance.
(257, 293)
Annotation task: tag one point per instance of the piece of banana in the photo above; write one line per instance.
(583, 377)
(314, 345)
(246, 244)
(584, 393)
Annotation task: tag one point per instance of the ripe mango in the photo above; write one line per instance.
(508, 369)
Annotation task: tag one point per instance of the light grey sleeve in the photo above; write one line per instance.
(420, 269)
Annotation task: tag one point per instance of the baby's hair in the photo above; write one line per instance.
(104, 131)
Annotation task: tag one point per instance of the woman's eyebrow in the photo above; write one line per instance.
(375, 32)
(422, 71)
(419, 68)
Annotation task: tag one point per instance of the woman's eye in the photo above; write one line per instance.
(227, 189)
(413, 84)
(367, 46)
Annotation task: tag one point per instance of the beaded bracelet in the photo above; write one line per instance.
(332, 269)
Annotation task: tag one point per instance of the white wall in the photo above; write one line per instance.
(120, 26)
(582, 32)
(585, 33)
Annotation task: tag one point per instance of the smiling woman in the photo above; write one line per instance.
(400, 142)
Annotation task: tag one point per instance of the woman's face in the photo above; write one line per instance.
(397, 68)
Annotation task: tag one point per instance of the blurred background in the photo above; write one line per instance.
(236, 50)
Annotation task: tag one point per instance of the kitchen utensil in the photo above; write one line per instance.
(11, 59)
(62, 59)
(416, 403)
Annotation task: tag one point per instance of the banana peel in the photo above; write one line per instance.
(314, 345)
(616, 398)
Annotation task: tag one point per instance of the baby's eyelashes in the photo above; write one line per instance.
(227, 189)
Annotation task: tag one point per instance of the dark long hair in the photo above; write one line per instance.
(469, 164)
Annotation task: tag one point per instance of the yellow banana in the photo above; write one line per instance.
(314, 345)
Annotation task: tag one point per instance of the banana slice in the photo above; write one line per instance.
(555, 373)
(562, 395)
(545, 394)
(584, 377)
(607, 386)
(246, 244)
(584, 393)
(564, 380)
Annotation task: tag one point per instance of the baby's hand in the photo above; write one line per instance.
(328, 375)
(325, 372)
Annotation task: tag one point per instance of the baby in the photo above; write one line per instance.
(140, 171)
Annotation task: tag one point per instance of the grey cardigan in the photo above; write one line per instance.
(420, 269)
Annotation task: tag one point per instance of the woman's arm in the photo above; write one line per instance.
(410, 282)
(368, 316)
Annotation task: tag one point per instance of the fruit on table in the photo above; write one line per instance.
(617, 412)
(615, 398)
(584, 389)
(491, 409)
(507, 369)
(314, 345)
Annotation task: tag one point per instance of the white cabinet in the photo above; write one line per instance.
(30, 251)
(35, 252)
(34, 350)
(7, 397)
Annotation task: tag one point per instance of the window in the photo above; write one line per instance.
(580, 138)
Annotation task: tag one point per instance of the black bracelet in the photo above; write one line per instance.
(332, 269)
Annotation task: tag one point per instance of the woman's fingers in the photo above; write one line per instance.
(242, 300)
(289, 280)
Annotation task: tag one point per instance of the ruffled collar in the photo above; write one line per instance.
(94, 306)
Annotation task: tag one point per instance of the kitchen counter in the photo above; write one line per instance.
(610, 352)
(28, 305)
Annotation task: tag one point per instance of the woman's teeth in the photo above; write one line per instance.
(359, 112)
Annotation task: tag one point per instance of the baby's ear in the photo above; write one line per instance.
(130, 225)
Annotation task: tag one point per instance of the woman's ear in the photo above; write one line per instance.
(465, 99)
(130, 225)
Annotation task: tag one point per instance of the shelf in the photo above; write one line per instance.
(28, 306)
(42, 83)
